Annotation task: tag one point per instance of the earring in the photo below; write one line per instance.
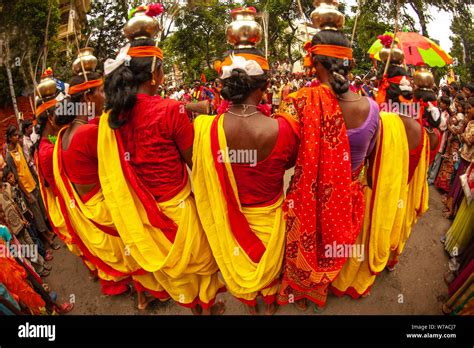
(153, 82)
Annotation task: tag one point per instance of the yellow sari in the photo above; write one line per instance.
(392, 207)
(95, 230)
(245, 276)
(185, 267)
(57, 220)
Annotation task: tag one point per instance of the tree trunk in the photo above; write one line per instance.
(10, 80)
(418, 8)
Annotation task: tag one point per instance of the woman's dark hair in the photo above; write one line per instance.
(471, 102)
(426, 96)
(27, 124)
(122, 84)
(445, 89)
(62, 120)
(239, 85)
(43, 118)
(6, 170)
(460, 97)
(10, 131)
(394, 91)
(339, 68)
(470, 87)
(445, 100)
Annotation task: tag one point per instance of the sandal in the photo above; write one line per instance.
(218, 308)
(144, 306)
(55, 246)
(48, 257)
(54, 296)
(44, 274)
(301, 305)
(47, 266)
(65, 308)
(317, 309)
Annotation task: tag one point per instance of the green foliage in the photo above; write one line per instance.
(105, 24)
(23, 30)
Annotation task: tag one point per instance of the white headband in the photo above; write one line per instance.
(251, 67)
(111, 64)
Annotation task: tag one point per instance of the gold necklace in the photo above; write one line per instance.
(243, 115)
(347, 100)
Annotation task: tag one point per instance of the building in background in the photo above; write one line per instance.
(73, 18)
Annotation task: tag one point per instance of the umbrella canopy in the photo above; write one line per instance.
(418, 50)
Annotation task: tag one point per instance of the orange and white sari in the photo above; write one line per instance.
(325, 204)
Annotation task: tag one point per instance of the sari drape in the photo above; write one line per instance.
(165, 238)
(392, 208)
(92, 230)
(247, 242)
(325, 205)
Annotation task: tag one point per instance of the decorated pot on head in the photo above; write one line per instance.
(85, 61)
(423, 79)
(397, 56)
(47, 87)
(326, 15)
(244, 31)
(142, 23)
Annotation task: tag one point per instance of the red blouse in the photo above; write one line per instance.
(415, 156)
(263, 183)
(45, 159)
(155, 132)
(80, 159)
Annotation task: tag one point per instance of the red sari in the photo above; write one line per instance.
(325, 205)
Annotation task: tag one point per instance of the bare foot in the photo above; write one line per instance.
(271, 308)
(144, 301)
(197, 310)
(218, 308)
(252, 310)
(301, 305)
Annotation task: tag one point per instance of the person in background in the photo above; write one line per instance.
(17, 224)
(28, 145)
(17, 162)
(444, 103)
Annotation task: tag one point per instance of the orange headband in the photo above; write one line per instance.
(260, 60)
(145, 51)
(85, 86)
(45, 106)
(332, 51)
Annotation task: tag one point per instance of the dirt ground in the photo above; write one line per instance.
(418, 278)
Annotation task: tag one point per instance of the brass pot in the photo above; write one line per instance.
(423, 79)
(89, 61)
(327, 16)
(46, 87)
(244, 31)
(141, 26)
(397, 56)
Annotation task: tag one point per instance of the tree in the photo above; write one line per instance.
(24, 27)
(463, 42)
(199, 38)
(105, 27)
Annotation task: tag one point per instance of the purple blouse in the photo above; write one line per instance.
(362, 140)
